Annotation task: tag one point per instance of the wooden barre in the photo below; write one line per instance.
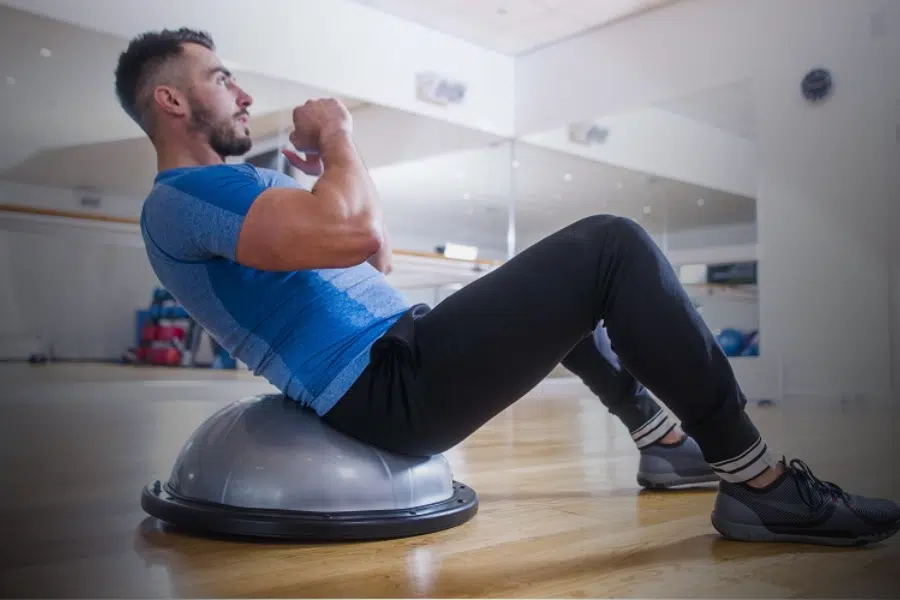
(69, 214)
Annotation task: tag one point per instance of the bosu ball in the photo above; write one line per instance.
(267, 467)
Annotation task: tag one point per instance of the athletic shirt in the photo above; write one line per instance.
(307, 332)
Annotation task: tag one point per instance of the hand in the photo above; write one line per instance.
(314, 121)
(309, 163)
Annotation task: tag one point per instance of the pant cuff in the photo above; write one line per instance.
(747, 465)
(653, 430)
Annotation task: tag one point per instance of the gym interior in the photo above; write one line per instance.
(758, 143)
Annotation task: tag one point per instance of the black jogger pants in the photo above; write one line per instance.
(441, 373)
(595, 362)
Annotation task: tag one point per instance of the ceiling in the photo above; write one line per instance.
(464, 197)
(126, 167)
(56, 88)
(513, 27)
(66, 130)
(56, 82)
(729, 108)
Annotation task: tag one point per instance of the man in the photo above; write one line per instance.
(289, 281)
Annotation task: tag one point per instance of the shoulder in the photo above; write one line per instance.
(228, 187)
(204, 182)
(273, 178)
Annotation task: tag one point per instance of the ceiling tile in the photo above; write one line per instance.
(510, 26)
(547, 28)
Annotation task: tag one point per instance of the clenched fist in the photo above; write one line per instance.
(314, 121)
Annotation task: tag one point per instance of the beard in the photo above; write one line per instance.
(221, 134)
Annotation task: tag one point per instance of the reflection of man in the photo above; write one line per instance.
(288, 281)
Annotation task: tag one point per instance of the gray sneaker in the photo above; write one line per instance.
(666, 466)
(799, 507)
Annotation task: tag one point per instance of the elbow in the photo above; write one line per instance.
(373, 245)
(368, 242)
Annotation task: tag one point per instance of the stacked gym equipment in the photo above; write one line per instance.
(168, 336)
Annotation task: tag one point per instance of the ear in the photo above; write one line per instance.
(170, 101)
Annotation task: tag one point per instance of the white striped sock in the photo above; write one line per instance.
(747, 465)
(653, 430)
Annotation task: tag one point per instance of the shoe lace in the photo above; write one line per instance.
(813, 491)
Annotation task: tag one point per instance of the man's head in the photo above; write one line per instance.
(177, 90)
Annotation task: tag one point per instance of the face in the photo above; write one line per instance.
(219, 108)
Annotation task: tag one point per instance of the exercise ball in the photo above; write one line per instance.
(731, 341)
(266, 466)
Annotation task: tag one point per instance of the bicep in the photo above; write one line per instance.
(292, 229)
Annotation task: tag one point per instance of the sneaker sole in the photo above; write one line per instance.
(658, 481)
(757, 533)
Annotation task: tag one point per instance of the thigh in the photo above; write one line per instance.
(490, 343)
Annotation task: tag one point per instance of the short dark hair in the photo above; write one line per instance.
(142, 61)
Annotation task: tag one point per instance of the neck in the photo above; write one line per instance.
(175, 155)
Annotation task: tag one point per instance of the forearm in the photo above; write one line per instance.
(346, 184)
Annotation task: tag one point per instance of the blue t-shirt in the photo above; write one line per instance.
(307, 332)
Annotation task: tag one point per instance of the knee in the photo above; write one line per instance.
(611, 227)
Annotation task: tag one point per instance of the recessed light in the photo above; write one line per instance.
(567, 177)
(701, 202)
(467, 196)
(619, 185)
(11, 81)
(646, 210)
(515, 164)
(46, 53)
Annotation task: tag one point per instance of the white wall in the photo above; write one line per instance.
(895, 277)
(75, 288)
(826, 183)
(73, 284)
(710, 237)
(827, 175)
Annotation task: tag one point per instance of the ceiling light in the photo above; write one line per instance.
(515, 164)
(701, 202)
(567, 177)
(11, 81)
(646, 210)
(467, 196)
(46, 53)
(619, 185)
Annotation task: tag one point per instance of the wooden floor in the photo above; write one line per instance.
(561, 514)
